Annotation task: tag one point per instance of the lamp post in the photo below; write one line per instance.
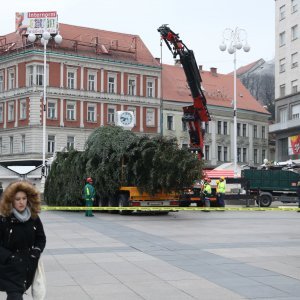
(234, 40)
(45, 37)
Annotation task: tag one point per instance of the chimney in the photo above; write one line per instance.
(157, 59)
(200, 68)
(213, 71)
(177, 62)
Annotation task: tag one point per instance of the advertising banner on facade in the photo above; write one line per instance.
(294, 144)
(36, 22)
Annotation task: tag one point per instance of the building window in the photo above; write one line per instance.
(133, 109)
(294, 60)
(283, 115)
(70, 142)
(244, 154)
(11, 144)
(255, 156)
(282, 39)
(91, 113)
(1, 82)
(11, 112)
(184, 146)
(1, 145)
(150, 117)
(239, 154)
(294, 86)
(219, 153)
(112, 84)
(244, 130)
(40, 75)
(282, 12)
(131, 87)
(92, 82)
(206, 127)
(294, 32)
(184, 126)
(11, 79)
(35, 75)
(225, 128)
(71, 111)
(294, 5)
(150, 88)
(238, 129)
(206, 152)
(219, 127)
(263, 132)
(1, 112)
(51, 143)
(282, 90)
(282, 65)
(23, 110)
(225, 154)
(51, 111)
(263, 155)
(170, 123)
(295, 111)
(71, 80)
(30, 81)
(111, 115)
(23, 143)
(255, 131)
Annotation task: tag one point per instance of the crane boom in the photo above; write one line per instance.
(197, 113)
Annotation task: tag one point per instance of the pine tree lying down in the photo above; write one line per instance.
(114, 157)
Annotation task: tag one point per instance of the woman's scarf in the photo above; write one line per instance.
(23, 216)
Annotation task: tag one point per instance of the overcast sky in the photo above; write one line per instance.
(200, 24)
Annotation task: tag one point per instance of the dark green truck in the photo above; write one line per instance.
(272, 185)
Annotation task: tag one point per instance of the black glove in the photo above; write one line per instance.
(35, 253)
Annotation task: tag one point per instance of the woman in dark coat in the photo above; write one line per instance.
(22, 238)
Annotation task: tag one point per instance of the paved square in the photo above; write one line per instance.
(184, 255)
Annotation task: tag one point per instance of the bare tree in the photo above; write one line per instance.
(261, 85)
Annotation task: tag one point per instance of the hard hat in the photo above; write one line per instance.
(217, 181)
(222, 178)
(89, 180)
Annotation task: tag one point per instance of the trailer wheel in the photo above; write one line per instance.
(124, 202)
(265, 201)
(112, 202)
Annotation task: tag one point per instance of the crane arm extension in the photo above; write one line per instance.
(197, 113)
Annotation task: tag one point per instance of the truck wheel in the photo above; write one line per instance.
(112, 202)
(124, 202)
(265, 201)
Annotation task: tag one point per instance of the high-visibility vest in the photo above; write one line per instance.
(222, 187)
(207, 189)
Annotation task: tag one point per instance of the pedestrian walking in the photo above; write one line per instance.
(22, 238)
(222, 190)
(89, 196)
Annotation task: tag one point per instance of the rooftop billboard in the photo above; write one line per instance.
(36, 22)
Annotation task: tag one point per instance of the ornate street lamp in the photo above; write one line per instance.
(234, 40)
(45, 37)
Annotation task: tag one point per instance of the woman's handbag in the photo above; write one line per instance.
(38, 288)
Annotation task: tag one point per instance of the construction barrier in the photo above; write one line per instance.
(158, 208)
